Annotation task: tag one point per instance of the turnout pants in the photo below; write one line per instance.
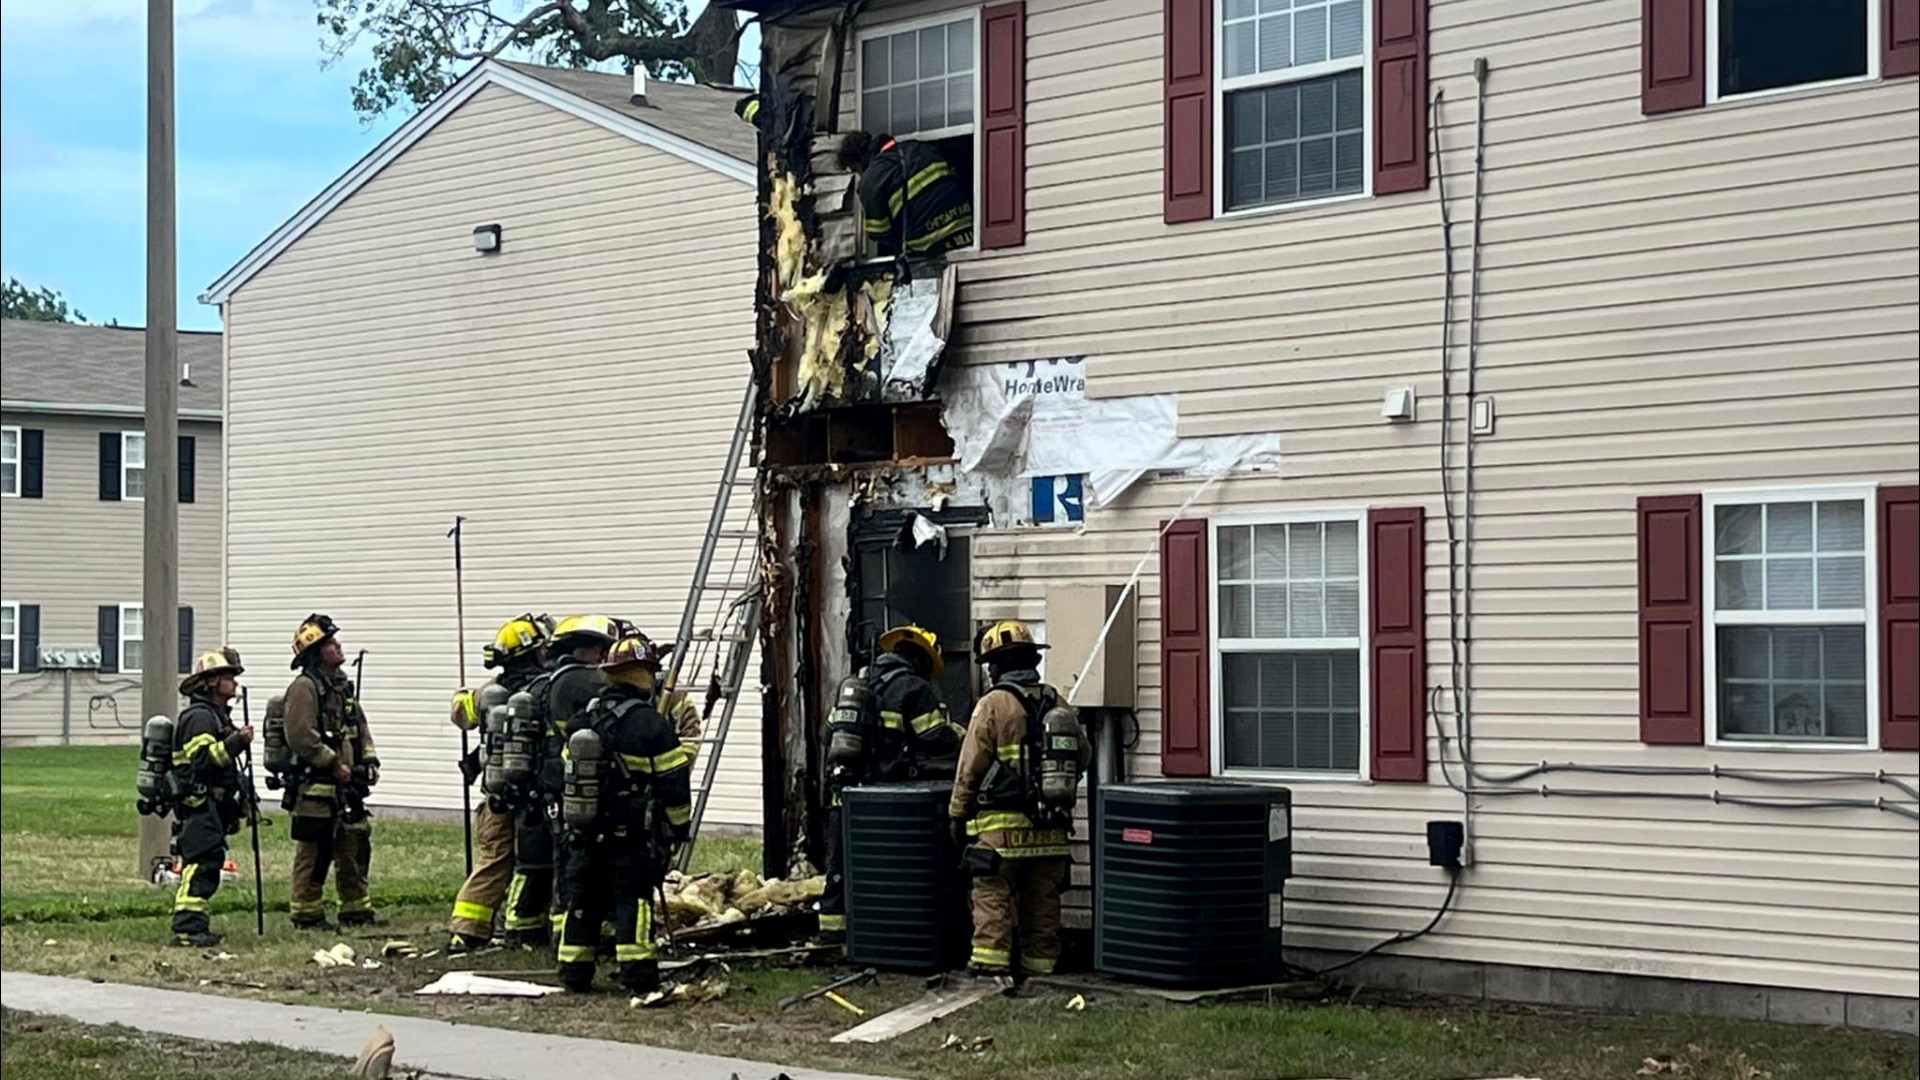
(200, 838)
(609, 877)
(486, 887)
(1030, 887)
(833, 900)
(322, 840)
(530, 899)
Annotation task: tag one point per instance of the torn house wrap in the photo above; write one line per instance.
(1033, 418)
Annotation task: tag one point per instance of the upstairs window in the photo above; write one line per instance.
(1761, 45)
(133, 465)
(921, 81)
(9, 461)
(1294, 89)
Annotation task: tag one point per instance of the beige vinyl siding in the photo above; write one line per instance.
(571, 396)
(1716, 299)
(70, 553)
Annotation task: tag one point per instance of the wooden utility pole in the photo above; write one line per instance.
(160, 570)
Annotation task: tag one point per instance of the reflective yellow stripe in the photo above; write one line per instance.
(878, 226)
(916, 184)
(672, 759)
(627, 954)
(183, 900)
(639, 763)
(361, 904)
(1035, 965)
(752, 110)
(318, 791)
(892, 721)
(927, 721)
(467, 709)
(990, 957)
(833, 922)
(307, 907)
(219, 753)
(184, 755)
(515, 920)
(1011, 752)
(998, 821)
(922, 243)
(1034, 844)
(679, 815)
(574, 954)
(472, 912)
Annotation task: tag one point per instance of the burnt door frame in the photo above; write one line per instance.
(881, 533)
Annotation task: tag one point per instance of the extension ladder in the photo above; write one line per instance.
(721, 620)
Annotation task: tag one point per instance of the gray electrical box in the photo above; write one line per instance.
(1075, 615)
(69, 657)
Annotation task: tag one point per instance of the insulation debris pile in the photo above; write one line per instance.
(719, 899)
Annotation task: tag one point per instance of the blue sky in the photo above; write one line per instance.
(261, 129)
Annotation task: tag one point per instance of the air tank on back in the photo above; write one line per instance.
(906, 898)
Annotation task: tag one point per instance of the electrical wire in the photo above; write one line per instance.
(1446, 904)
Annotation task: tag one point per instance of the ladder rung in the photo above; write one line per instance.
(738, 534)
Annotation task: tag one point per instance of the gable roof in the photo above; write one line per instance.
(681, 119)
(99, 370)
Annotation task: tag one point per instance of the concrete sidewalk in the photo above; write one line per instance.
(468, 1051)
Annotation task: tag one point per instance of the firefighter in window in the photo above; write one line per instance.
(888, 726)
(912, 201)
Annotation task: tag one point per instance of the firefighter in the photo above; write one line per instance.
(913, 203)
(906, 735)
(519, 651)
(675, 704)
(212, 801)
(626, 803)
(1012, 808)
(336, 765)
(561, 693)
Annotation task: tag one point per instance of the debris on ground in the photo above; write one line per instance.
(708, 900)
(238, 984)
(1078, 1004)
(399, 949)
(473, 984)
(976, 1045)
(219, 957)
(370, 964)
(376, 1058)
(341, 955)
(944, 998)
(692, 992)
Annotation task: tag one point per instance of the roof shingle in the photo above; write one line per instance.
(73, 364)
(702, 114)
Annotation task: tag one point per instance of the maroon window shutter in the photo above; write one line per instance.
(1397, 619)
(1186, 652)
(1673, 55)
(1399, 96)
(1900, 618)
(1188, 164)
(1003, 126)
(1671, 709)
(1900, 38)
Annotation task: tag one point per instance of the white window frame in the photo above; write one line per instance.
(17, 461)
(1222, 86)
(120, 642)
(125, 439)
(1712, 619)
(1713, 61)
(11, 608)
(1218, 647)
(862, 36)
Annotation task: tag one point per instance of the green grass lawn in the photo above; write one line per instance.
(52, 1048)
(71, 904)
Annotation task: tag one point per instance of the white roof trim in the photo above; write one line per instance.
(488, 73)
(78, 409)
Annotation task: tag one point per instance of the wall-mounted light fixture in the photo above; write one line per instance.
(486, 239)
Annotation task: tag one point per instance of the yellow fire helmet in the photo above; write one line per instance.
(518, 636)
(914, 637)
(592, 627)
(315, 629)
(209, 666)
(1003, 635)
(629, 651)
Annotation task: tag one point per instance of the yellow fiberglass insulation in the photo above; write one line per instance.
(790, 240)
(825, 315)
(873, 314)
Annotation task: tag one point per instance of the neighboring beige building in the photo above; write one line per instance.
(72, 473)
(570, 394)
(1688, 296)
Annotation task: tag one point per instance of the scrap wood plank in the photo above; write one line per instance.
(933, 1005)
